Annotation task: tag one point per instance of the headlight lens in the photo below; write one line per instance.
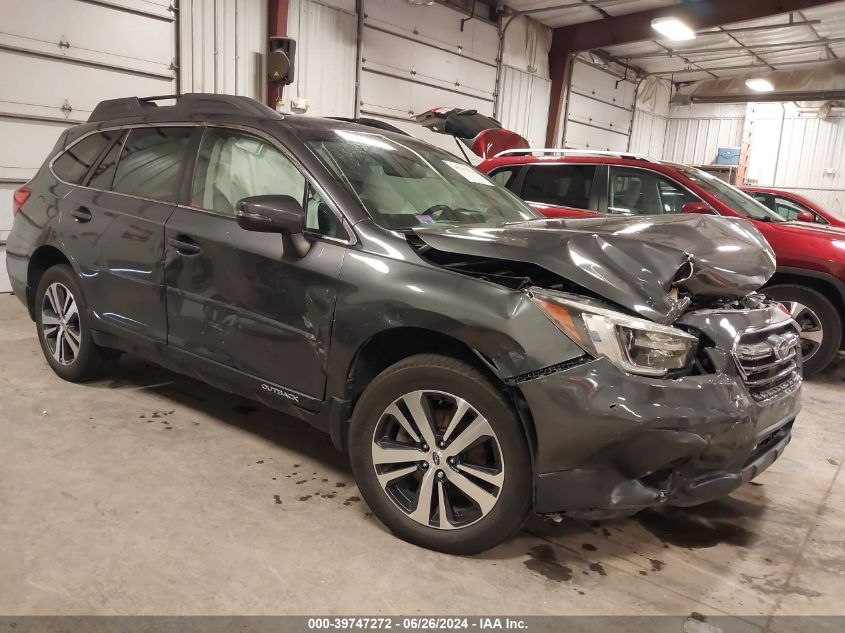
(636, 345)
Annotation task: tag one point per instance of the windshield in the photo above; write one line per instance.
(406, 183)
(737, 200)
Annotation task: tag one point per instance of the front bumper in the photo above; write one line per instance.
(609, 443)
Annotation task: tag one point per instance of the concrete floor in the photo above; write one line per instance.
(150, 493)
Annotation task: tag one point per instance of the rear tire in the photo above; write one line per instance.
(64, 328)
(821, 325)
(470, 466)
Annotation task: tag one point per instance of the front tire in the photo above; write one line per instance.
(440, 456)
(821, 326)
(64, 328)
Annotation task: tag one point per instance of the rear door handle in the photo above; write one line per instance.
(81, 214)
(185, 245)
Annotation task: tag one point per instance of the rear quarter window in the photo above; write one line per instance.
(72, 164)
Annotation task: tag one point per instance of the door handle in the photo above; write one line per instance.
(184, 245)
(81, 215)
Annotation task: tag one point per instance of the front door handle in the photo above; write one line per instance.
(81, 214)
(185, 245)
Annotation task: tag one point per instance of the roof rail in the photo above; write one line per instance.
(194, 102)
(373, 123)
(578, 152)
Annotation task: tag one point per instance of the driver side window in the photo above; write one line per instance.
(232, 165)
(639, 192)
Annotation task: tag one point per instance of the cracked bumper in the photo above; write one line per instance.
(611, 443)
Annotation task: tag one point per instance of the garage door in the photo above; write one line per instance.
(599, 109)
(415, 58)
(61, 57)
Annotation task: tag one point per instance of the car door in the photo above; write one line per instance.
(633, 191)
(562, 189)
(236, 298)
(113, 227)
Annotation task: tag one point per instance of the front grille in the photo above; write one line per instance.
(768, 361)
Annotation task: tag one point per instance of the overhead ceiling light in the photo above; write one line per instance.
(672, 28)
(758, 84)
(421, 2)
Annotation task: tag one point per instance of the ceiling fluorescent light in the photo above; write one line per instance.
(672, 28)
(758, 84)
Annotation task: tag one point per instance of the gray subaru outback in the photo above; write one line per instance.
(475, 360)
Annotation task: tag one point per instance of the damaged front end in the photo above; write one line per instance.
(614, 442)
(689, 383)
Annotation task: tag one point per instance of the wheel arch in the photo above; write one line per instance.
(387, 347)
(41, 260)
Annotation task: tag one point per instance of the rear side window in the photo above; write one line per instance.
(151, 161)
(74, 163)
(559, 185)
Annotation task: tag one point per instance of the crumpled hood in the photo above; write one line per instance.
(631, 261)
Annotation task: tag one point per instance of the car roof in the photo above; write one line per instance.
(223, 109)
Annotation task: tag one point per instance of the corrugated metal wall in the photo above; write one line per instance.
(793, 149)
(221, 46)
(524, 104)
(326, 37)
(651, 117)
(694, 133)
(523, 98)
(648, 135)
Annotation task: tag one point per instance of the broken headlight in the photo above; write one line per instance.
(635, 345)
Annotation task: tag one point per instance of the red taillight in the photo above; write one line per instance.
(20, 196)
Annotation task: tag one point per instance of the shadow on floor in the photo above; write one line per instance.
(729, 521)
(247, 415)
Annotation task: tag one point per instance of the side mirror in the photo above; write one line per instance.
(270, 214)
(698, 207)
(806, 216)
(275, 214)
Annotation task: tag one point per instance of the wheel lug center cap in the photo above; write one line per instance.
(435, 458)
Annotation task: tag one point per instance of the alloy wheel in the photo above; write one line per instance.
(811, 330)
(60, 323)
(438, 459)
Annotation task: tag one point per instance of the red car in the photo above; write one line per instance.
(793, 206)
(810, 277)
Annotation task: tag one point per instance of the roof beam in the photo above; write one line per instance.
(635, 27)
